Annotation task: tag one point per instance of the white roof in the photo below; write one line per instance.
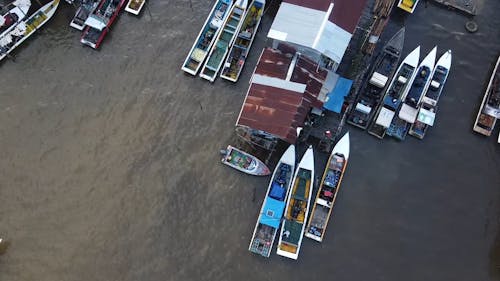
(310, 28)
(95, 22)
(384, 118)
(427, 117)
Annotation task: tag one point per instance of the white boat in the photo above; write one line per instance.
(489, 111)
(297, 208)
(135, 6)
(206, 38)
(408, 5)
(238, 53)
(82, 13)
(328, 190)
(394, 94)
(224, 41)
(18, 10)
(24, 29)
(244, 162)
(271, 212)
(428, 106)
(499, 138)
(421, 81)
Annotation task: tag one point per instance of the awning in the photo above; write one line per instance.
(335, 99)
(272, 212)
(427, 117)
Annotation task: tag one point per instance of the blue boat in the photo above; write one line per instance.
(273, 206)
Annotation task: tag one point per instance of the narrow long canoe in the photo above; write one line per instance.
(328, 190)
(297, 208)
(271, 212)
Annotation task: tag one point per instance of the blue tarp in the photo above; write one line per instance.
(273, 211)
(336, 97)
(277, 191)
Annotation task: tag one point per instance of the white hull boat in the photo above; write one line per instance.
(135, 6)
(489, 111)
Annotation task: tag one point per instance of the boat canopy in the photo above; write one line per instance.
(22, 3)
(378, 80)
(273, 211)
(427, 117)
(384, 118)
(292, 231)
(96, 22)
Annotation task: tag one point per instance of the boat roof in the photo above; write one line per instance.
(323, 25)
(307, 161)
(336, 97)
(343, 146)
(96, 22)
(295, 230)
(272, 212)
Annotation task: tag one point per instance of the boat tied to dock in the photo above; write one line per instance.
(271, 212)
(489, 110)
(372, 90)
(239, 51)
(244, 162)
(394, 94)
(328, 190)
(428, 106)
(297, 208)
(99, 22)
(206, 38)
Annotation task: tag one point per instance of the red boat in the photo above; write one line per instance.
(99, 22)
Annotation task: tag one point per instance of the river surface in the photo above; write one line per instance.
(109, 164)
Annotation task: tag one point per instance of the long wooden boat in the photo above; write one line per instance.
(428, 105)
(393, 95)
(244, 162)
(407, 113)
(489, 111)
(273, 206)
(82, 13)
(408, 5)
(17, 11)
(206, 38)
(100, 21)
(238, 53)
(372, 90)
(24, 29)
(297, 208)
(134, 6)
(224, 41)
(328, 190)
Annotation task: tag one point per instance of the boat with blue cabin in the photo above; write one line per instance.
(271, 212)
(297, 208)
(393, 95)
(328, 190)
(224, 41)
(238, 53)
(206, 38)
(407, 113)
(428, 106)
(372, 90)
(14, 35)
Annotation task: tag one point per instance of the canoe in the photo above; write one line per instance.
(297, 208)
(244, 162)
(393, 95)
(328, 190)
(238, 53)
(99, 22)
(372, 90)
(206, 38)
(271, 212)
(489, 111)
(25, 28)
(428, 106)
(82, 13)
(408, 5)
(224, 41)
(134, 6)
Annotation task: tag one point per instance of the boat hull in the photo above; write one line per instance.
(486, 119)
(93, 37)
(135, 6)
(244, 162)
(82, 13)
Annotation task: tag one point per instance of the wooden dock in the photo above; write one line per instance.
(466, 6)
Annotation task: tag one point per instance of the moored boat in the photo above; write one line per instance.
(297, 208)
(224, 41)
(100, 21)
(428, 106)
(25, 28)
(372, 90)
(206, 38)
(17, 11)
(489, 111)
(244, 162)
(238, 53)
(408, 5)
(328, 190)
(393, 95)
(134, 6)
(273, 206)
(82, 13)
